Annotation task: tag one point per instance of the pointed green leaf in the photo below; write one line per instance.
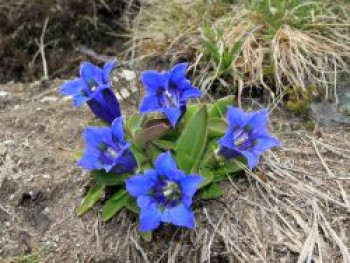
(217, 127)
(132, 206)
(108, 179)
(210, 192)
(165, 144)
(219, 109)
(114, 205)
(208, 177)
(90, 199)
(135, 122)
(139, 155)
(193, 141)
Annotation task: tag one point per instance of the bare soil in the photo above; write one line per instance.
(294, 207)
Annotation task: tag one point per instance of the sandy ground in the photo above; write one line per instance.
(294, 207)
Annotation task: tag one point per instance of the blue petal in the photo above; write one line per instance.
(191, 93)
(72, 87)
(107, 68)
(90, 72)
(227, 139)
(165, 164)
(178, 73)
(252, 159)
(125, 162)
(237, 117)
(88, 161)
(118, 129)
(149, 218)
(150, 103)
(79, 100)
(141, 184)
(189, 186)
(173, 115)
(179, 215)
(153, 80)
(265, 143)
(94, 137)
(143, 201)
(259, 120)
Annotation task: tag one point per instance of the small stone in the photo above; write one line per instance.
(46, 211)
(4, 93)
(16, 107)
(129, 75)
(49, 100)
(8, 224)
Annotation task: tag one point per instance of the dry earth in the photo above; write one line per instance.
(294, 207)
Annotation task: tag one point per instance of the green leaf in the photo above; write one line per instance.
(152, 151)
(190, 111)
(208, 177)
(147, 236)
(193, 141)
(165, 144)
(135, 122)
(217, 127)
(229, 167)
(108, 179)
(132, 206)
(139, 155)
(90, 199)
(210, 192)
(114, 205)
(219, 109)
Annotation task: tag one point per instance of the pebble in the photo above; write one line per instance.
(129, 75)
(4, 93)
(49, 100)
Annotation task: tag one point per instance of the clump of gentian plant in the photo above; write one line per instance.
(170, 153)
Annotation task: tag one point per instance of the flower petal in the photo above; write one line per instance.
(191, 93)
(252, 159)
(179, 215)
(178, 74)
(89, 71)
(88, 161)
(107, 69)
(141, 184)
(118, 129)
(265, 143)
(149, 218)
(153, 80)
(237, 116)
(189, 186)
(72, 87)
(79, 100)
(94, 137)
(259, 120)
(144, 201)
(150, 103)
(173, 115)
(227, 139)
(165, 164)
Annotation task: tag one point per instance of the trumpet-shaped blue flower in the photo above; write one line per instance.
(246, 135)
(106, 149)
(168, 92)
(94, 88)
(164, 194)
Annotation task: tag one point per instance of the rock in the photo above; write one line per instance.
(129, 75)
(4, 94)
(49, 100)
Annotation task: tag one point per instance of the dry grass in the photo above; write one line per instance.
(287, 44)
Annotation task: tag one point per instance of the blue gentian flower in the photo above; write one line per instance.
(94, 88)
(164, 194)
(106, 149)
(246, 135)
(168, 92)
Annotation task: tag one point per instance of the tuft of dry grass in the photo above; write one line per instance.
(271, 44)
